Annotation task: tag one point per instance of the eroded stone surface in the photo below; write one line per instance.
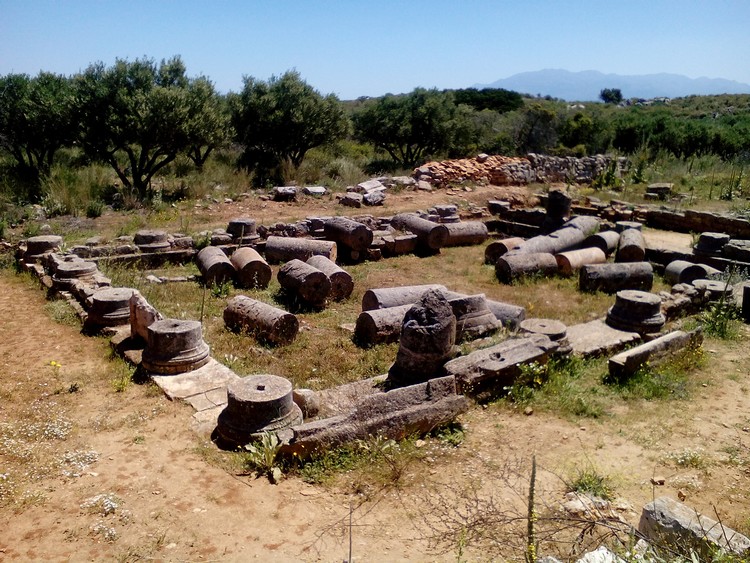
(256, 404)
(174, 346)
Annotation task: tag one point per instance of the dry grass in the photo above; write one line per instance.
(323, 353)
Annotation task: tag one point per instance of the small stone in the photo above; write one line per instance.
(682, 496)
(276, 476)
(658, 481)
(419, 444)
(528, 411)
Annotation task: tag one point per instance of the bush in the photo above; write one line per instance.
(591, 482)
(722, 320)
(94, 209)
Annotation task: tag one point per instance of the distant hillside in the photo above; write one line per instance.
(586, 85)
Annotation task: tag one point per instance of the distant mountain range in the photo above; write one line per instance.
(586, 85)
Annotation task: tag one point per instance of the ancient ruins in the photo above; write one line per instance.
(429, 383)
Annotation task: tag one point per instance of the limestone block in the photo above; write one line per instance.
(667, 521)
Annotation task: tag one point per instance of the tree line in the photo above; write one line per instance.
(138, 116)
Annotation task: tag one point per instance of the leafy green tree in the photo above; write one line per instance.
(413, 126)
(281, 119)
(537, 131)
(35, 121)
(611, 95)
(137, 117)
(208, 125)
(496, 99)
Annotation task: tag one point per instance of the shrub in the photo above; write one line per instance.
(722, 320)
(589, 481)
(94, 209)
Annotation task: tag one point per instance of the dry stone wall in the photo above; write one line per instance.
(504, 170)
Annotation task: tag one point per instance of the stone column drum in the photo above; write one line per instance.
(109, 307)
(152, 240)
(66, 273)
(38, 246)
(256, 404)
(636, 311)
(174, 346)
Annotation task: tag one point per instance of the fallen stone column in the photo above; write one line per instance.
(682, 271)
(386, 297)
(306, 281)
(632, 247)
(611, 278)
(568, 263)
(214, 266)
(498, 366)
(587, 224)
(399, 245)
(350, 233)
(265, 322)
(380, 326)
(512, 267)
(498, 248)
(466, 233)
(606, 241)
(283, 249)
(342, 284)
(473, 317)
(252, 270)
(509, 315)
(430, 236)
(570, 237)
(395, 414)
(668, 522)
(625, 364)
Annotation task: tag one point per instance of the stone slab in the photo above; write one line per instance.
(213, 375)
(670, 522)
(625, 364)
(204, 421)
(339, 400)
(597, 338)
(208, 400)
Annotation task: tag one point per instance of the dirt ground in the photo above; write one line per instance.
(101, 474)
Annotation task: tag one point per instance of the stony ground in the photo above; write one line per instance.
(92, 469)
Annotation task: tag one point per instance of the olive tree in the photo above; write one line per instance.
(138, 116)
(281, 119)
(413, 126)
(208, 125)
(35, 121)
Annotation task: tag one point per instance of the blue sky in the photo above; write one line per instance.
(354, 48)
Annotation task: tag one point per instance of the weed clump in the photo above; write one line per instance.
(590, 482)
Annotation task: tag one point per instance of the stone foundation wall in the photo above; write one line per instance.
(504, 170)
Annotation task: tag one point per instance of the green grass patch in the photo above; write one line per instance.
(61, 312)
(589, 481)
